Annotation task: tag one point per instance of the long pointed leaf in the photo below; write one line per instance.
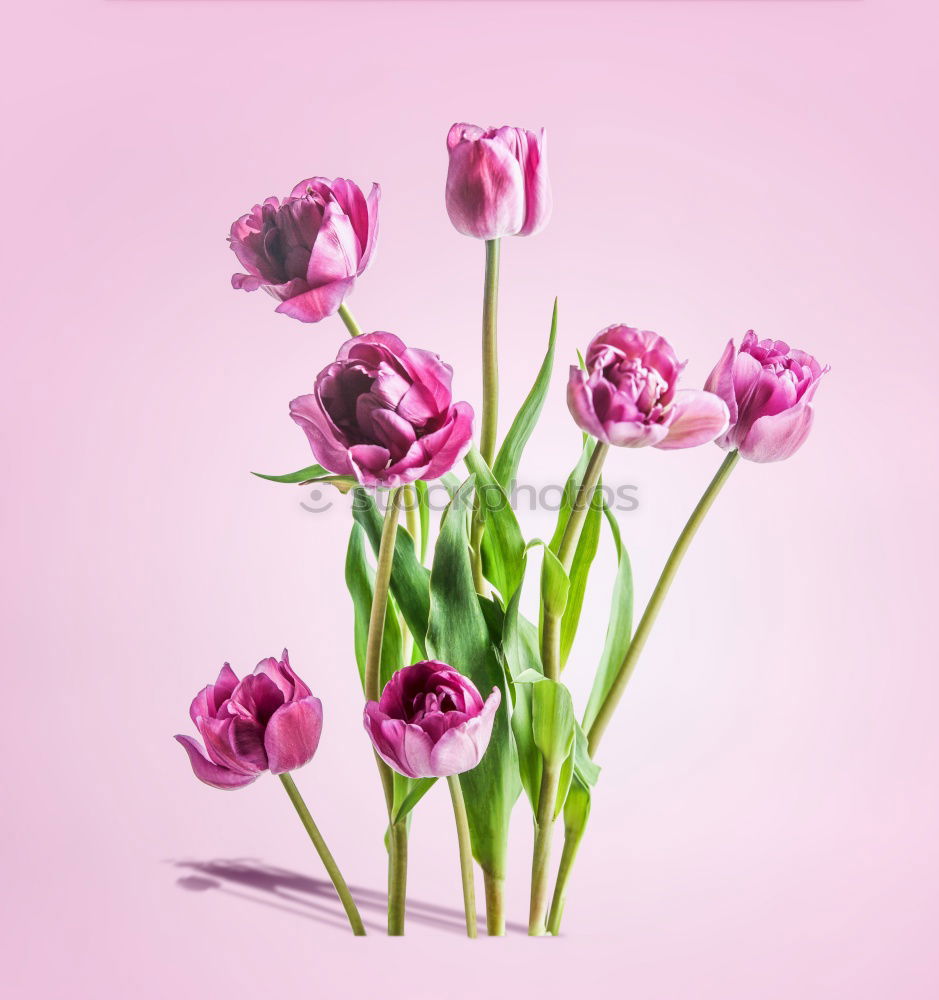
(619, 629)
(505, 467)
(584, 554)
(458, 634)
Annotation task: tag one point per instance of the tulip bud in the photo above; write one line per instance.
(768, 389)
(497, 181)
(268, 721)
(626, 394)
(383, 413)
(431, 721)
(308, 250)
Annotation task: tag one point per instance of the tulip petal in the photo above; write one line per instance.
(318, 303)
(293, 734)
(779, 436)
(721, 380)
(335, 254)
(485, 190)
(212, 774)
(447, 446)
(537, 186)
(371, 236)
(307, 413)
(211, 698)
(461, 748)
(699, 417)
(580, 404)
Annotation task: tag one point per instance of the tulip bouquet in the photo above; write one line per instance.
(458, 682)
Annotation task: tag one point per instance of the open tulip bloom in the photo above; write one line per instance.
(484, 707)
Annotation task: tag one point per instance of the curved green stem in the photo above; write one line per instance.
(490, 418)
(329, 862)
(346, 316)
(376, 621)
(568, 544)
(466, 854)
(598, 727)
(572, 839)
(551, 624)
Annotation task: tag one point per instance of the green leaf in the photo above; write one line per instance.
(503, 545)
(552, 721)
(584, 767)
(407, 793)
(506, 464)
(301, 476)
(580, 570)
(410, 581)
(619, 628)
(576, 809)
(529, 757)
(555, 585)
(458, 634)
(520, 642)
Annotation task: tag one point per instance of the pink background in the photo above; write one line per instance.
(766, 823)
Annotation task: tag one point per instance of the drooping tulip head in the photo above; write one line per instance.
(307, 250)
(431, 721)
(267, 721)
(627, 395)
(768, 389)
(383, 413)
(497, 181)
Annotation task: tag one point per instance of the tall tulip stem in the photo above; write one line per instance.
(602, 720)
(551, 628)
(346, 316)
(329, 862)
(541, 856)
(490, 420)
(466, 853)
(398, 839)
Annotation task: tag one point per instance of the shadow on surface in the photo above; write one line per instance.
(311, 898)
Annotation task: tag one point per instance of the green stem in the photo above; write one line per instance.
(354, 329)
(329, 862)
(598, 727)
(414, 530)
(376, 621)
(551, 624)
(490, 418)
(572, 839)
(397, 878)
(398, 841)
(466, 854)
(494, 887)
(541, 857)
(568, 544)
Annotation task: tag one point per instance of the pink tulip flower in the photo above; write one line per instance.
(768, 389)
(431, 721)
(627, 396)
(268, 721)
(382, 412)
(308, 250)
(497, 182)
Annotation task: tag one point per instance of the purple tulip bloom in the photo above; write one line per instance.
(768, 389)
(497, 181)
(268, 721)
(308, 250)
(627, 396)
(382, 413)
(431, 721)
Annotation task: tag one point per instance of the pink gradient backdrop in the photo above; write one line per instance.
(766, 823)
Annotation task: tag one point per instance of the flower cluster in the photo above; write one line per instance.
(381, 419)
